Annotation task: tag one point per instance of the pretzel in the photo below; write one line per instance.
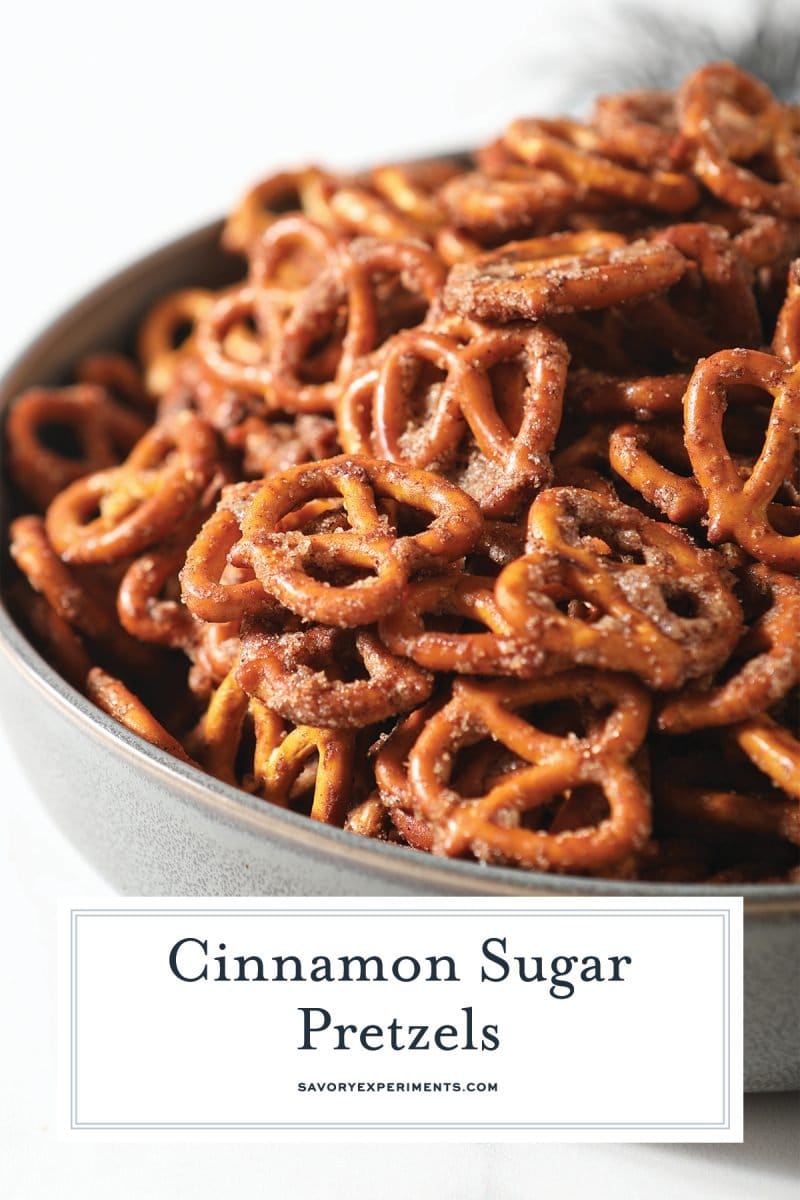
(565, 273)
(391, 776)
(114, 698)
(786, 340)
(598, 393)
(304, 676)
(281, 559)
(57, 435)
(730, 317)
(676, 493)
(142, 610)
(54, 637)
(489, 825)
(360, 627)
(639, 127)
(636, 576)
(571, 149)
(767, 658)
(509, 463)
(739, 509)
(497, 651)
(167, 336)
(775, 752)
(265, 203)
(729, 115)
(350, 283)
(118, 375)
(211, 589)
(164, 476)
(414, 188)
(488, 206)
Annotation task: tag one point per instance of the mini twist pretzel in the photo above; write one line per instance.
(509, 462)
(786, 341)
(638, 452)
(304, 190)
(487, 206)
(351, 283)
(570, 148)
(775, 752)
(167, 336)
(119, 376)
(114, 698)
(597, 393)
(738, 509)
(88, 432)
(391, 776)
(328, 677)
(278, 755)
(768, 658)
(497, 651)
(706, 102)
(414, 188)
(639, 127)
(728, 318)
(140, 606)
(564, 273)
(489, 825)
(371, 547)
(212, 590)
(637, 605)
(140, 502)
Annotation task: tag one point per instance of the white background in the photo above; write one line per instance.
(682, 967)
(121, 125)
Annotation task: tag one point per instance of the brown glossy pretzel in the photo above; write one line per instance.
(767, 659)
(140, 502)
(278, 755)
(370, 545)
(143, 609)
(528, 402)
(353, 283)
(776, 752)
(738, 509)
(119, 702)
(571, 149)
(344, 679)
(688, 325)
(598, 393)
(639, 454)
(565, 273)
(211, 588)
(118, 375)
(497, 651)
(391, 776)
(488, 206)
(731, 116)
(167, 336)
(786, 340)
(304, 190)
(490, 825)
(656, 606)
(639, 127)
(56, 435)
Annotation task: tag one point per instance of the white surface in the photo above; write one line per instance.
(121, 126)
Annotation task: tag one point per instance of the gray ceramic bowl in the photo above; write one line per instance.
(153, 826)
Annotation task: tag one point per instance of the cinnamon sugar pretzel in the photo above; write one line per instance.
(469, 517)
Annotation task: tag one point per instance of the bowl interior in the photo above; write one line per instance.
(107, 319)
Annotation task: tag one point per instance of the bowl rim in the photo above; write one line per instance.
(400, 864)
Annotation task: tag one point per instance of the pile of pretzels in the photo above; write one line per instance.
(469, 518)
